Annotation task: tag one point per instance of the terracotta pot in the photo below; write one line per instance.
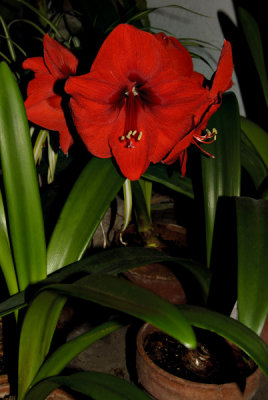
(59, 394)
(159, 278)
(165, 386)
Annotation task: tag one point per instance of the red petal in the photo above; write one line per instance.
(40, 88)
(43, 108)
(223, 77)
(60, 61)
(94, 136)
(182, 145)
(129, 51)
(183, 160)
(48, 114)
(132, 162)
(98, 96)
(179, 57)
(35, 64)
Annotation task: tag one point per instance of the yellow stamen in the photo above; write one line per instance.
(134, 133)
(211, 133)
(128, 135)
(122, 138)
(139, 137)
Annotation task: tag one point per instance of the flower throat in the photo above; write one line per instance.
(131, 134)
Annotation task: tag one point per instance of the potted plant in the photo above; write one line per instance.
(22, 223)
(25, 258)
(237, 260)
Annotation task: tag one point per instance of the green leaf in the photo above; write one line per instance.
(122, 260)
(97, 385)
(221, 175)
(42, 17)
(230, 329)
(36, 334)
(25, 218)
(6, 260)
(69, 350)
(13, 303)
(140, 207)
(8, 39)
(253, 36)
(252, 233)
(124, 296)
(127, 203)
(159, 173)
(84, 209)
(257, 136)
(252, 162)
(147, 187)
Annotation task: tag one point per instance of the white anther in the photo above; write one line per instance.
(134, 91)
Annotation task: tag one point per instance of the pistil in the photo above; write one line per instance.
(131, 133)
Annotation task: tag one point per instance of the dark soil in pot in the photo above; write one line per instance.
(213, 361)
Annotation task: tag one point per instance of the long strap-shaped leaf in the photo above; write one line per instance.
(6, 260)
(252, 161)
(252, 234)
(230, 329)
(221, 175)
(25, 218)
(97, 385)
(122, 260)
(124, 296)
(85, 206)
(61, 357)
(253, 36)
(257, 136)
(36, 335)
(158, 173)
(127, 203)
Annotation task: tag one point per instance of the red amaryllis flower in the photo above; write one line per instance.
(221, 82)
(43, 103)
(140, 99)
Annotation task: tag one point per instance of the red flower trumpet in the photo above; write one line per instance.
(142, 101)
(44, 104)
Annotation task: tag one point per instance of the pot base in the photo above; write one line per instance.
(163, 385)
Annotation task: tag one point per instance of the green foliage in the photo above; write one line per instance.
(253, 37)
(98, 386)
(25, 220)
(252, 229)
(82, 214)
(221, 175)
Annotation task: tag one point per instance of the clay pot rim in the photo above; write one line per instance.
(148, 328)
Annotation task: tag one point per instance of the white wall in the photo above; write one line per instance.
(183, 24)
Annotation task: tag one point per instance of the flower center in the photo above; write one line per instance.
(131, 134)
